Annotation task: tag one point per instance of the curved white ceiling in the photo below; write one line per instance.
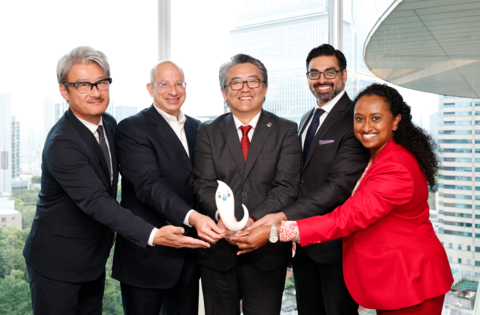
(428, 45)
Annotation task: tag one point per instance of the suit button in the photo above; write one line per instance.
(191, 182)
(301, 182)
(244, 194)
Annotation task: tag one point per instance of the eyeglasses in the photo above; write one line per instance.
(330, 74)
(85, 87)
(238, 85)
(168, 86)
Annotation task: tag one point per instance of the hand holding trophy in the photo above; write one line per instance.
(225, 202)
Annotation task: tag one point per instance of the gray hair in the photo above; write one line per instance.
(81, 55)
(152, 71)
(237, 60)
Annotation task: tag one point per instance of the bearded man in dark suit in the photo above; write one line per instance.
(333, 161)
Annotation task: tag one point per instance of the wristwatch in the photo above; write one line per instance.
(273, 238)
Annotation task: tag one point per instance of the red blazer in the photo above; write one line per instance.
(392, 258)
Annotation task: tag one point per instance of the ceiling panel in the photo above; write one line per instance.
(430, 45)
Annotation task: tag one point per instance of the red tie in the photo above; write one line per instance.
(245, 141)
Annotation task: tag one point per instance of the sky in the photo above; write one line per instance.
(35, 34)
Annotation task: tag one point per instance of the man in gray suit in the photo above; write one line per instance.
(259, 156)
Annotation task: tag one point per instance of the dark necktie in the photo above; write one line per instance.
(104, 147)
(311, 132)
(245, 141)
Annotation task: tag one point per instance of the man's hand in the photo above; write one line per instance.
(269, 219)
(249, 240)
(206, 227)
(172, 236)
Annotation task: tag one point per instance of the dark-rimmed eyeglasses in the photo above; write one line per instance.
(85, 87)
(329, 74)
(238, 85)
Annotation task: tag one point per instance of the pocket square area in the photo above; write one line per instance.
(322, 142)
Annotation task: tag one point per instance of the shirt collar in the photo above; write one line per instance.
(252, 122)
(181, 116)
(92, 127)
(329, 105)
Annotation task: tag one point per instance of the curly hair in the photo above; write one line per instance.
(411, 137)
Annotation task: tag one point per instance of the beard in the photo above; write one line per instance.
(325, 97)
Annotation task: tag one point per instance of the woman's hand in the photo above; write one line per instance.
(249, 240)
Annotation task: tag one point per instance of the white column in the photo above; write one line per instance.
(335, 24)
(164, 29)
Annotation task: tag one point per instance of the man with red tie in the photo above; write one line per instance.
(258, 155)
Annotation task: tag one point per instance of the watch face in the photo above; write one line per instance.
(273, 238)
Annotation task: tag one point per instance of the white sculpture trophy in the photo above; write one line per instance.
(226, 208)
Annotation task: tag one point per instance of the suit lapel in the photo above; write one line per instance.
(92, 143)
(167, 133)
(303, 123)
(110, 130)
(332, 117)
(191, 132)
(264, 126)
(229, 132)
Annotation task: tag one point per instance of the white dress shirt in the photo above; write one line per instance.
(327, 107)
(252, 123)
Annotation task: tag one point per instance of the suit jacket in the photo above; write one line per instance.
(329, 173)
(77, 212)
(157, 185)
(266, 183)
(392, 257)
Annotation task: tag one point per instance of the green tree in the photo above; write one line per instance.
(36, 179)
(112, 298)
(12, 241)
(15, 294)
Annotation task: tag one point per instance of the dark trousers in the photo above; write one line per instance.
(320, 288)
(261, 292)
(57, 297)
(181, 299)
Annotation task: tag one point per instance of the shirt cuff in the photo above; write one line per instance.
(289, 232)
(186, 221)
(152, 236)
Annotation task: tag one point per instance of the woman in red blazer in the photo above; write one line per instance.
(393, 261)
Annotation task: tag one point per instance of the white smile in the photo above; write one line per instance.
(246, 98)
(323, 88)
(368, 136)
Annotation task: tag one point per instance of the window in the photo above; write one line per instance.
(4, 220)
(469, 248)
(459, 260)
(459, 246)
(450, 245)
(477, 264)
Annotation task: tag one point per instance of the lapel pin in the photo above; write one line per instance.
(269, 124)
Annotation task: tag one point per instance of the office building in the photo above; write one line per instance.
(8, 214)
(281, 34)
(459, 181)
(15, 148)
(5, 144)
(53, 108)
